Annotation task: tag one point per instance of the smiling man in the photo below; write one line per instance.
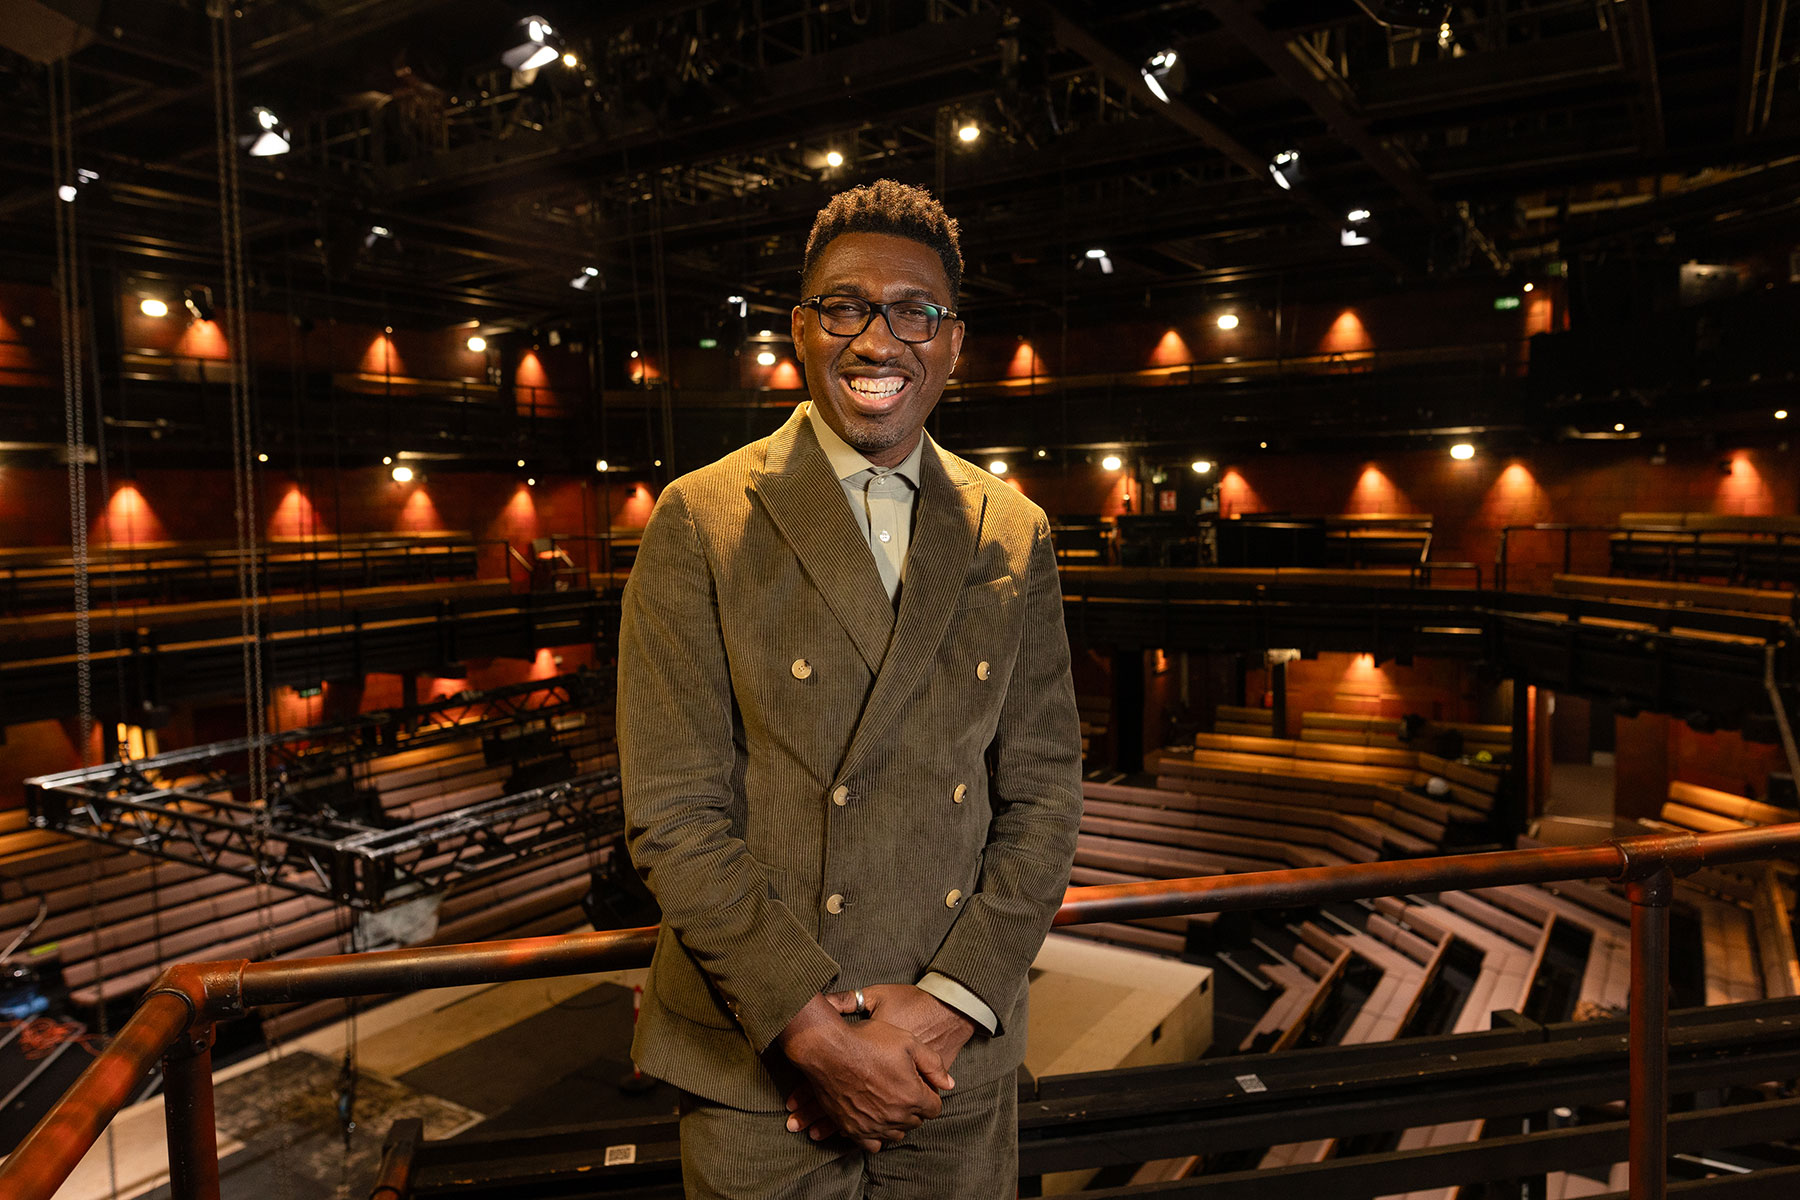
(851, 758)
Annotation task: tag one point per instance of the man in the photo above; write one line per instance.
(851, 758)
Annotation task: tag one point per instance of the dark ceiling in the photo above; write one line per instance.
(683, 152)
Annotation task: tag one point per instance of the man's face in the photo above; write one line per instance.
(875, 390)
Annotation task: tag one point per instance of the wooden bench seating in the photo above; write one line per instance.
(1605, 988)
(1707, 597)
(1771, 915)
(1728, 946)
(1351, 729)
(1236, 718)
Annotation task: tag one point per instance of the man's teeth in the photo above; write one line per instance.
(876, 387)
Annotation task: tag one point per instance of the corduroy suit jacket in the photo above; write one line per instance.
(823, 792)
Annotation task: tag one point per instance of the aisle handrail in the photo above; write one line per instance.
(176, 1020)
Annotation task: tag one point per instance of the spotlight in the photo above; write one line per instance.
(833, 158)
(1096, 252)
(766, 359)
(478, 343)
(1112, 462)
(1618, 427)
(262, 458)
(402, 474)
(569, 60)
(1446, 36)
(1357, 216)
(1263, 445)
(199, 303)
(1357, 227)
(1462, 452)
(1781, 414)
(66, 193)
(1162, 74)
(1202, 466)
(601, 466)
(968, 132)
(588, 280)
(1284, 169)
(1530, 287)
(531, 482)
(387, 460)
(1228, 320)
(534, 45)
(998, 466)
(1100, 256)
(377, 233)
(269, 139)
(1043, 453)
(521, 462)
(150, 306)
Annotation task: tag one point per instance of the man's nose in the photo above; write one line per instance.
(877, 341)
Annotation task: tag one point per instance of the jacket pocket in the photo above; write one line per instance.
(994, 591)
(683, 987)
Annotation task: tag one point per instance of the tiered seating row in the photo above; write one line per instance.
(36, 579)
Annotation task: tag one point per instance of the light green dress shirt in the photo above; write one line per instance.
(881, 501)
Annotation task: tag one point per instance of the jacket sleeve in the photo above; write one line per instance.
(1037, 803)
(678, 765)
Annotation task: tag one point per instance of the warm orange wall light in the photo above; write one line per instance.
(1170, 351)
(785, 375)
(1025, 362)
(203, 339)
(531, 371)
(381, 358)
(128, 519)
(1743, 492)
(1236, 495)
(419, 513)
(1346, 334)
(294, 516)
(1376, 493)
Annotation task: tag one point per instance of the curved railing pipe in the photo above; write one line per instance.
(176, 1019)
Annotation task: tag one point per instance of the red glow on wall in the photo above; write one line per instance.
(419, 514)
(1540, 315)
(1170, 351)
(531, 372)
(544, 665)
(1515, 499)
(1025, 362)
(635, 513)
(1743, 491)
(381, 358)
(641, 370)
(785, 375)
(1375, 493)
(294, 516)
(128, 519)
(1236, 495)
(1346, 334)
(203, 339)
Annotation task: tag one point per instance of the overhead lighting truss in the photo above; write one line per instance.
(318, 834)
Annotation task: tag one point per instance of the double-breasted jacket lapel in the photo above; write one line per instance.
(946, 527)
(806, 501)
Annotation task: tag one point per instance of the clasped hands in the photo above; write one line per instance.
(873, 1081)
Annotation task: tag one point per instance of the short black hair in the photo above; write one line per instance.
(887, 206)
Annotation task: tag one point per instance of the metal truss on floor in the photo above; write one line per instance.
(318, 833)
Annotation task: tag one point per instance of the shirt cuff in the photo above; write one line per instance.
(961, 999)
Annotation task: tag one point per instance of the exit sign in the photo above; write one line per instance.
(1506, 303)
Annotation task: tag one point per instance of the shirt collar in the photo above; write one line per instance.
(847, 461)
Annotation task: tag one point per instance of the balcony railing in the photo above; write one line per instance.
(176, 1021)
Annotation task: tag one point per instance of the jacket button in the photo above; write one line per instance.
(834, 904)
(840, 795)
(961, 793)
(951, 900)
(802, 669)
(981, 670)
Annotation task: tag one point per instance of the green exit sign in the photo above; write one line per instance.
(307, 693)
(1506, 303)
(709, 343)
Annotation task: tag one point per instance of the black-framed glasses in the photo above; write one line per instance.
(911, 321)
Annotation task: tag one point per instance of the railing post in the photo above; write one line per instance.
(1649, 1047)
(188, 1114)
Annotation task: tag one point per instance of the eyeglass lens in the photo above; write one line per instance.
(908, 320)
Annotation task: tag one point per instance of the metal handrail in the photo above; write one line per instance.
(175, 1022)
